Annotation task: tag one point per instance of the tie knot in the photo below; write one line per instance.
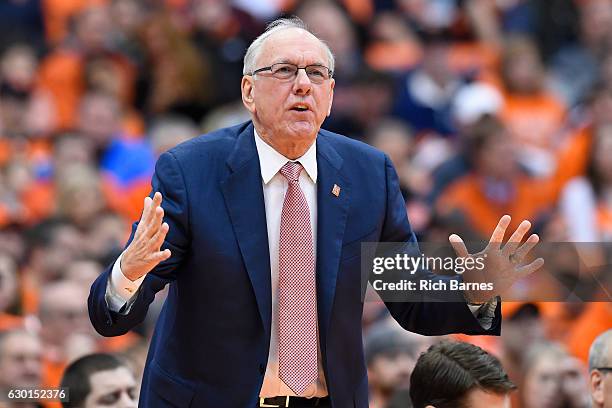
(291, 171)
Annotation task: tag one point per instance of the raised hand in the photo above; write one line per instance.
(143, 253)
(503, 266)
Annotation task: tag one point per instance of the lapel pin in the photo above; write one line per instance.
(336, 190)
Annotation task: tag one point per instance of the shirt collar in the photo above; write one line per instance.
(271, 161)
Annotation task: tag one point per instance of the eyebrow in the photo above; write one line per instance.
(286, 61)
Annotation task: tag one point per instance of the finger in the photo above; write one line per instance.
(161, 256)
(156, 222)
(500, 230)
(146, 210)
(150, 205)
(158, 239)
(458, 245)
(529, 268)
(157, 198)
(524, 249)
(516, 238)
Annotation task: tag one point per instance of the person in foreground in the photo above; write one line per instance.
(99, 380)
(259, 235)
(459, 375)
(600, 371)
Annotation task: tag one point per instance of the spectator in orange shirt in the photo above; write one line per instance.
(63, 73)
(588, 198)
(533, 115)
(496, 185)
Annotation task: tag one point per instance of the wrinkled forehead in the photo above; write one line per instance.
(292, 45)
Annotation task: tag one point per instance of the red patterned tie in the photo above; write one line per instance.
(297, 302)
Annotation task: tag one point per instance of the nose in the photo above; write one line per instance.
(302, 84)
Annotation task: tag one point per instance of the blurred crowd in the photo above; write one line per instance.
(485, 107)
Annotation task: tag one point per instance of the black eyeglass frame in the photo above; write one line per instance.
(603, 369)
(330, 73)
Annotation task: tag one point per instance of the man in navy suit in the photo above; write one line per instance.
(259, 236)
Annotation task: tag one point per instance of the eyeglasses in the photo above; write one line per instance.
(284, 71)
(604, 369)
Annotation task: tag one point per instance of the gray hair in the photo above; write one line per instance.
(598, 354)
(277, 25)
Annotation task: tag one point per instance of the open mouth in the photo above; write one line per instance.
(300, 108)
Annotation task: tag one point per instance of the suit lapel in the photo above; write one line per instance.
(243, 195)
(332, 216)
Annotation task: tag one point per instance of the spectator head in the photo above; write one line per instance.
(127, 15)
(436, 58)
(92, 28)
(212, 16)
(99, 118)
(600, 370)
(394, 138)
(18, 68)
(20, 360)
(63, 312)
(100, 380)
(79, 194)
(522, 325)
(332, 25)
(13, 242)
(491, 149)
(71, 148)
(521, 67)
(596, 24)
(83, 272)
(390, 355)
(52, 244)
(459, 375)
(542, 379)
(169, 131)
(17, 74)
(107, 236)
(106, 75)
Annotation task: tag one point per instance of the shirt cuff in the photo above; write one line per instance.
(485, 313)
(121, 290)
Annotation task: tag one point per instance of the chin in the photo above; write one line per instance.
(303, 130)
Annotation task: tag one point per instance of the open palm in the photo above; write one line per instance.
(503, 264)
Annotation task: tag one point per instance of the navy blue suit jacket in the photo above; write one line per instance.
(210, 345)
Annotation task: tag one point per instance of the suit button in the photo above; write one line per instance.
(262, 369)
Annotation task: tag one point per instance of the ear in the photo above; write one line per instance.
(332, 83)
(248, 97)
(596, 387)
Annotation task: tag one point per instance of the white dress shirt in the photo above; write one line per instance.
(121, 292)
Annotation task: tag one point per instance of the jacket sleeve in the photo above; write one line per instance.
(421, 314)
(169, 181)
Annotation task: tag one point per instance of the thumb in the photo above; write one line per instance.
(458, 245)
